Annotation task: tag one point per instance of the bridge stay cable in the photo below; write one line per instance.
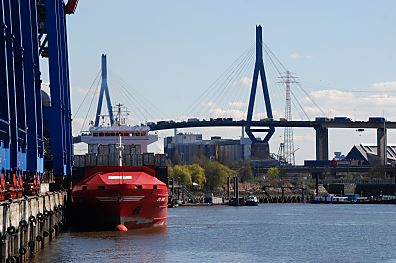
(143, 101)
(90, 106)
(211, 88)
(299, 104)
(236, 73)
(136, 103)
(229, 83)
(271, 54)
(241, 94)
(291, 91)
(215, 90)
(138, 112)
(86, 94)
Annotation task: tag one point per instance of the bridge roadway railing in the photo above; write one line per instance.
(165, 125)
(321, 128)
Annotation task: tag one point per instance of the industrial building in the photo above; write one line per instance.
(368, 154)
(183, 147)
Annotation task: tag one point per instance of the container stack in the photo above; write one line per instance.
(160, 160)
(108, 155)
(79, 160)
(148, 159)
(90, 159)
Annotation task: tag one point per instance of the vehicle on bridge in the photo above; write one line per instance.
(323, 119)
(267, 119)
(342, 119)
(377, 119)
(162, 122)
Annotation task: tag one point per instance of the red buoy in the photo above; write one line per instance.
(122, 228)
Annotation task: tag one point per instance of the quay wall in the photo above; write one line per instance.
(28, 224)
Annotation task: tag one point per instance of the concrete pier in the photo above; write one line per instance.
(381, 145)
(322, 143)
(28, 224)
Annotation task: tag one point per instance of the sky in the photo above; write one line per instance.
(163, 55)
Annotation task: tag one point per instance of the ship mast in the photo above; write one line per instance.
(120, 148)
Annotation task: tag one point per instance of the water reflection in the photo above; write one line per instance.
(106, 246)
(267, 233)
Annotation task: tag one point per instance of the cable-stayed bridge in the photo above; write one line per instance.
(226, 84)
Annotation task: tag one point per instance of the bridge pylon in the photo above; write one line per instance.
(259, 70)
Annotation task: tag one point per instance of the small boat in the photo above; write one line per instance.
(252, 201)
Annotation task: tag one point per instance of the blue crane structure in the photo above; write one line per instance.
(30, 28)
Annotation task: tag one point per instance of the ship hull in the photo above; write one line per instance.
(138, 204)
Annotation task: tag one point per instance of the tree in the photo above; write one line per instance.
(216, 174)
(273, 173)
(200, 158)
(245, 171)
(197, 174)
(181, 174)
(176, 157)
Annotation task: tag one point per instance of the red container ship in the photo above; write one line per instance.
(121, 197)
(118, 184)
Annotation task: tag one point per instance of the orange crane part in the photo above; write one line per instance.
(71, 6)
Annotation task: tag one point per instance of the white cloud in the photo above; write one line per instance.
(84, 91)
(343, 103)
(228, 113)
(246, 81)
(237, 104)
(296, 55)
(386, 85)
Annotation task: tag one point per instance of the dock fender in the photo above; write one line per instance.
(40, 217)
(32, 219)
(23, 223)
(60, 207)
(11, 260)
(45, 234)
(11, 230)
(32, 244)
(46, 213)
(39, 238)
(56, 227)
(22, 250)
(51, 230)
(51, 213)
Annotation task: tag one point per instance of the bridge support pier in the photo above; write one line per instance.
(260, 151)
(322, 143)
(382, 145)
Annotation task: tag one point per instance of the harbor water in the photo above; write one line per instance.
(266, 233)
